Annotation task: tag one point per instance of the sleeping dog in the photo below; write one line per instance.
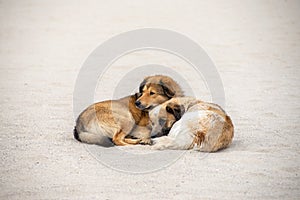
(186, 123)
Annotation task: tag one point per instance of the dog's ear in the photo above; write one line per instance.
(167, 90)
(137, 95)
(176, 110)
(142, 85)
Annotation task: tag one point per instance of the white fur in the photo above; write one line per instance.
(197, 118)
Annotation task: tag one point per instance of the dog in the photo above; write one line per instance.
(156, 90)
(186, 123)
(125, 121)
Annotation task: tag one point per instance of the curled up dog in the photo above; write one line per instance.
(187, 123)
(125, 121)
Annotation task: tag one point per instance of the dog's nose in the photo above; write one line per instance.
(137, 103)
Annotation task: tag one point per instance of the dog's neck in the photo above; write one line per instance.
(188, 102)
(141, 117)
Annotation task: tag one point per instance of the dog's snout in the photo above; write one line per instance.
(137, 103)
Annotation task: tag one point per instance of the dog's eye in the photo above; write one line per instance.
(161, 122)
(152, 93)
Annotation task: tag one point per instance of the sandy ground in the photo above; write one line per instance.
(255, 46)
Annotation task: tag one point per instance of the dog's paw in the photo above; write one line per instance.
(156, 147)
(146, 141)
(153, 141)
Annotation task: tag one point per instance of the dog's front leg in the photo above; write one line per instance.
(143, 133)
(164, 142)
(120, 140)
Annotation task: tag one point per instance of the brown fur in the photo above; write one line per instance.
(198, 139)
(120, 119)
(227, 135)
(156, 90)
(141, 118)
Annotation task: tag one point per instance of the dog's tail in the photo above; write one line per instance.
(76, 135)
(91, 138)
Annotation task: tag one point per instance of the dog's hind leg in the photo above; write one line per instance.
(120, 140)
(132, 141)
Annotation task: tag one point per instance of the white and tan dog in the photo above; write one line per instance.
(188, 123)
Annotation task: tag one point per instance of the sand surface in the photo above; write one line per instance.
(255, 46)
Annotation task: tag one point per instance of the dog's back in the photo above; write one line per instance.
(213, 128)
(202, 125)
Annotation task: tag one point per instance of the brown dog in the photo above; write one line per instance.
(116, 119)
(156, 90)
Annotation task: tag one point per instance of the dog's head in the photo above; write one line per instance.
(164, 116)
(155, 90)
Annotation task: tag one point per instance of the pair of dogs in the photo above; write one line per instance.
(159, 110)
